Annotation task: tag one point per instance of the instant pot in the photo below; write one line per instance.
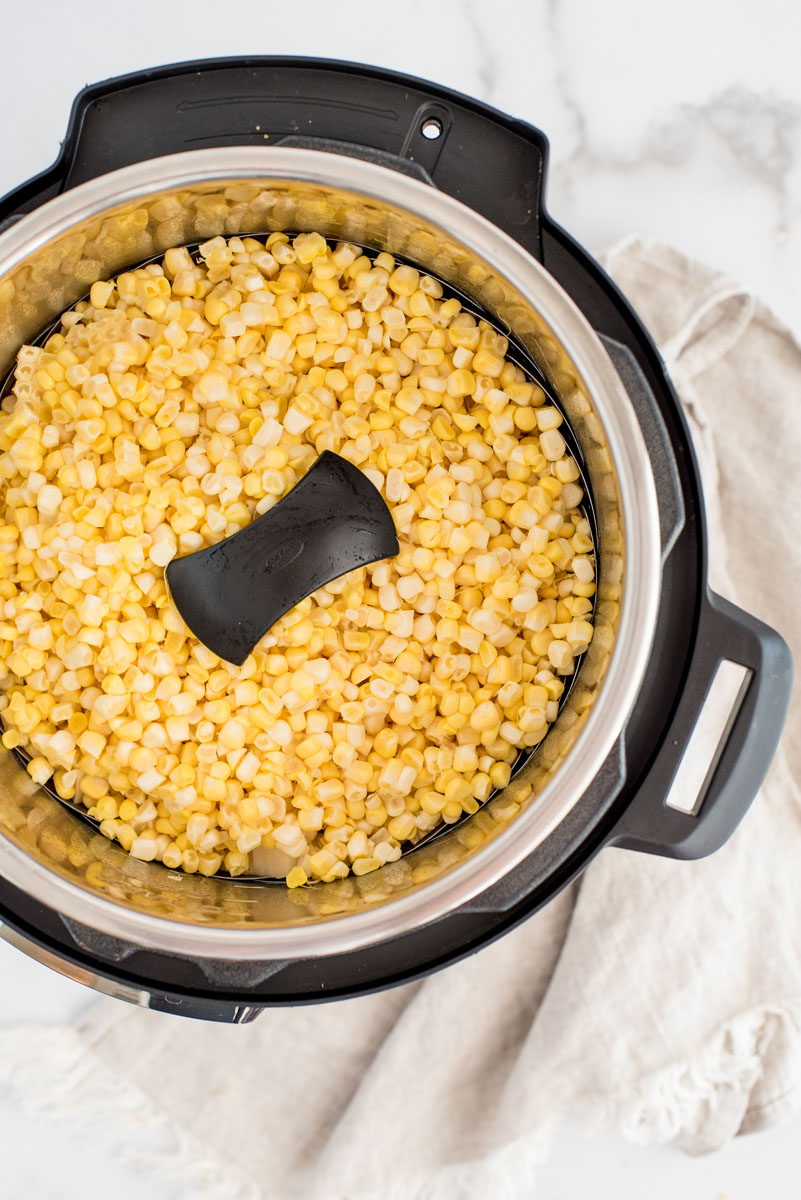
(677, 707)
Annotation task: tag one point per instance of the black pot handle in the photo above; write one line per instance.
(721, 741)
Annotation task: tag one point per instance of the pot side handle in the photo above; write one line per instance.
(721, 740)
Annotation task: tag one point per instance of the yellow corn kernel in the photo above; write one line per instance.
(361, 866)
(499, 774)
(39, 770)
(127, 810)
(107, 808)
(94, 787)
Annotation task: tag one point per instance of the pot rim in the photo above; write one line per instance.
(641, 582)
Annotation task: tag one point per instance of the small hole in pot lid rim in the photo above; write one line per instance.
(431, 128)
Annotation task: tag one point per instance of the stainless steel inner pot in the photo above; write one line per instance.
(49, 258)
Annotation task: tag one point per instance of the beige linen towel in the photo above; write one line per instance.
(662, 996)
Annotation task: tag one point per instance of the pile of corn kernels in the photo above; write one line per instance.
(185, 398)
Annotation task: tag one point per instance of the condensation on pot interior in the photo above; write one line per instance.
(41, 826)
(50, 277)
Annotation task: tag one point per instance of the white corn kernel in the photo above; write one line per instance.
(144, 849)
(49, 499)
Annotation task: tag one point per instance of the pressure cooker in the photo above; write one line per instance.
(676, 709)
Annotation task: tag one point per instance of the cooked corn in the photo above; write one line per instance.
(179, 402)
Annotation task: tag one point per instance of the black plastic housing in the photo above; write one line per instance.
(496, 165)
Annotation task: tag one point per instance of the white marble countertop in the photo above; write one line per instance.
(682, 123)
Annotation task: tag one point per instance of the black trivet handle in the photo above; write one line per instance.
(333, 521)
